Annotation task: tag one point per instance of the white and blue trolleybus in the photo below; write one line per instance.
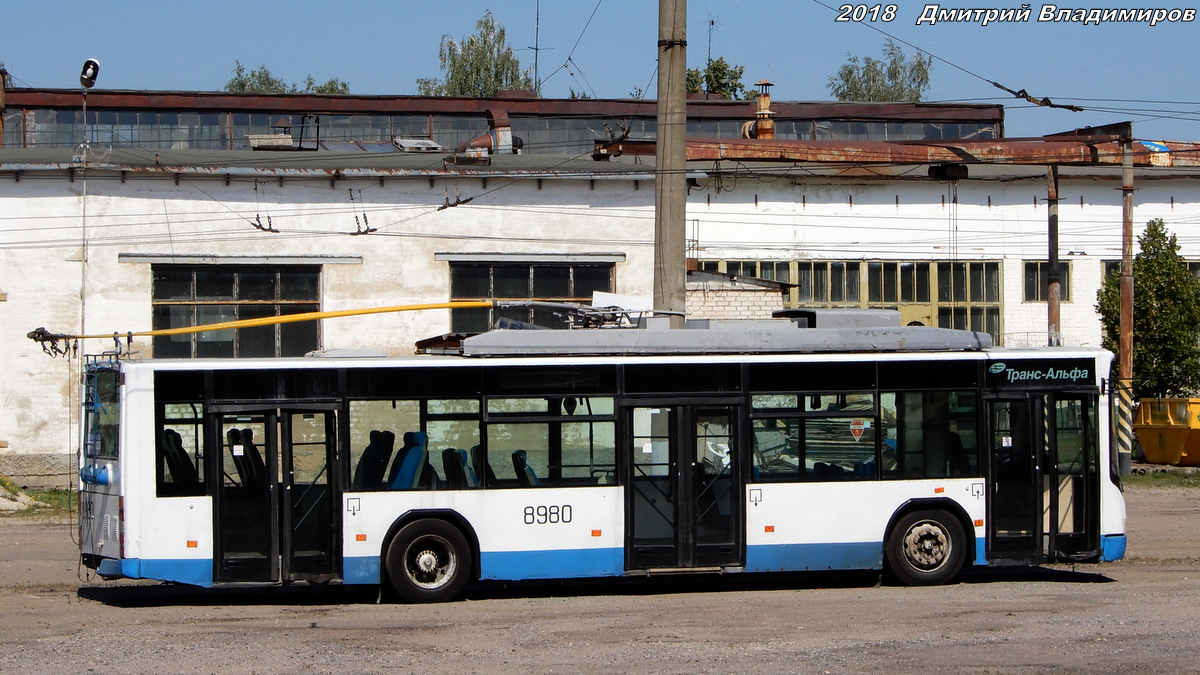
(530, 454)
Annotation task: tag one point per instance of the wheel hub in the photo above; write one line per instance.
(926, 545)
(426, 561)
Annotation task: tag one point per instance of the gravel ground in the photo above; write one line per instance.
(1139, 615)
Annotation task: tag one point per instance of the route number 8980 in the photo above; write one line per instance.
(543, 515)
(859, 13)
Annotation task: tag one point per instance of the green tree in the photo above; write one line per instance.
(895, 78)
(1166, 317)
(261, 81)
(478, 65)
(717, 77)
(331, 86)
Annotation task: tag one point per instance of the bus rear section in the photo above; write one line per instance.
(101, 513)
(206, 494)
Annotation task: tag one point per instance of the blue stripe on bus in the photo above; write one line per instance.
(811, 557)
(361, 570)
(185, 571)
(561, 564)
(514, 565)
(1112, 547)
(981, 551)
(575, 563)
(110, 568)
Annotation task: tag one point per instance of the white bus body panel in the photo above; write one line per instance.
(517, 538)
(842, 525)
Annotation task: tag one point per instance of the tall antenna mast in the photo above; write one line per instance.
(537, 29)
(708, 61)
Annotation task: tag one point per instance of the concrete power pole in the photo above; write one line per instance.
(1054, 277)
(670, 156)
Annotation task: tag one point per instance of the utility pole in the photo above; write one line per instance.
(1054, 276)
(670, 156)
(1125, 349)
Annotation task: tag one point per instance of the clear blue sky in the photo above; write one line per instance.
(1120, 72)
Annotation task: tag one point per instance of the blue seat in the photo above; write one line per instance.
(489, 474)
(452, 469)
(368, 475)
(412, 465)
(525, 475)
(398, 460)
(457, 467)
(470, 478)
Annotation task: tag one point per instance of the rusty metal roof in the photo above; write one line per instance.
(522, 106)
(1039, 151)
(999, 158)
(333, 164)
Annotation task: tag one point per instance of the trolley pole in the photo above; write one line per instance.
(670, 156)
(1125, 357)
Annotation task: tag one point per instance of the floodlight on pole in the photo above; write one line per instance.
(87, 77)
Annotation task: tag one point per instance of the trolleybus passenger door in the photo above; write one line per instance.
(1044, 501)
(1014, 505)
(275, 502)
(309, 528)
(1071, 485)
(684, 486)
(246, 515)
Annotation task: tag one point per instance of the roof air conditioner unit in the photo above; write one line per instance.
(416, 145)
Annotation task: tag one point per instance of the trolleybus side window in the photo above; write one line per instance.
(551, 441)
(823, 437)
(930, 434)
(452, 428)
(814, 437)
(180, 451)
(179, 442)
(414, 444)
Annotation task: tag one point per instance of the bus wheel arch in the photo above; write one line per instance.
(429, 557)
(927, 543)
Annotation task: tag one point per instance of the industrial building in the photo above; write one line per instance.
(169, 209)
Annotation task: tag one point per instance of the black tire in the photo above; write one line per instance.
(926, 548)
(428, 561)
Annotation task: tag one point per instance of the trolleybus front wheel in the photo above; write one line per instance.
(926, 548)
(428, 561)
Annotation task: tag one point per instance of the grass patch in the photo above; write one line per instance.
(1162, 477)
(56, 501)
(51, 503)
(7, 485)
